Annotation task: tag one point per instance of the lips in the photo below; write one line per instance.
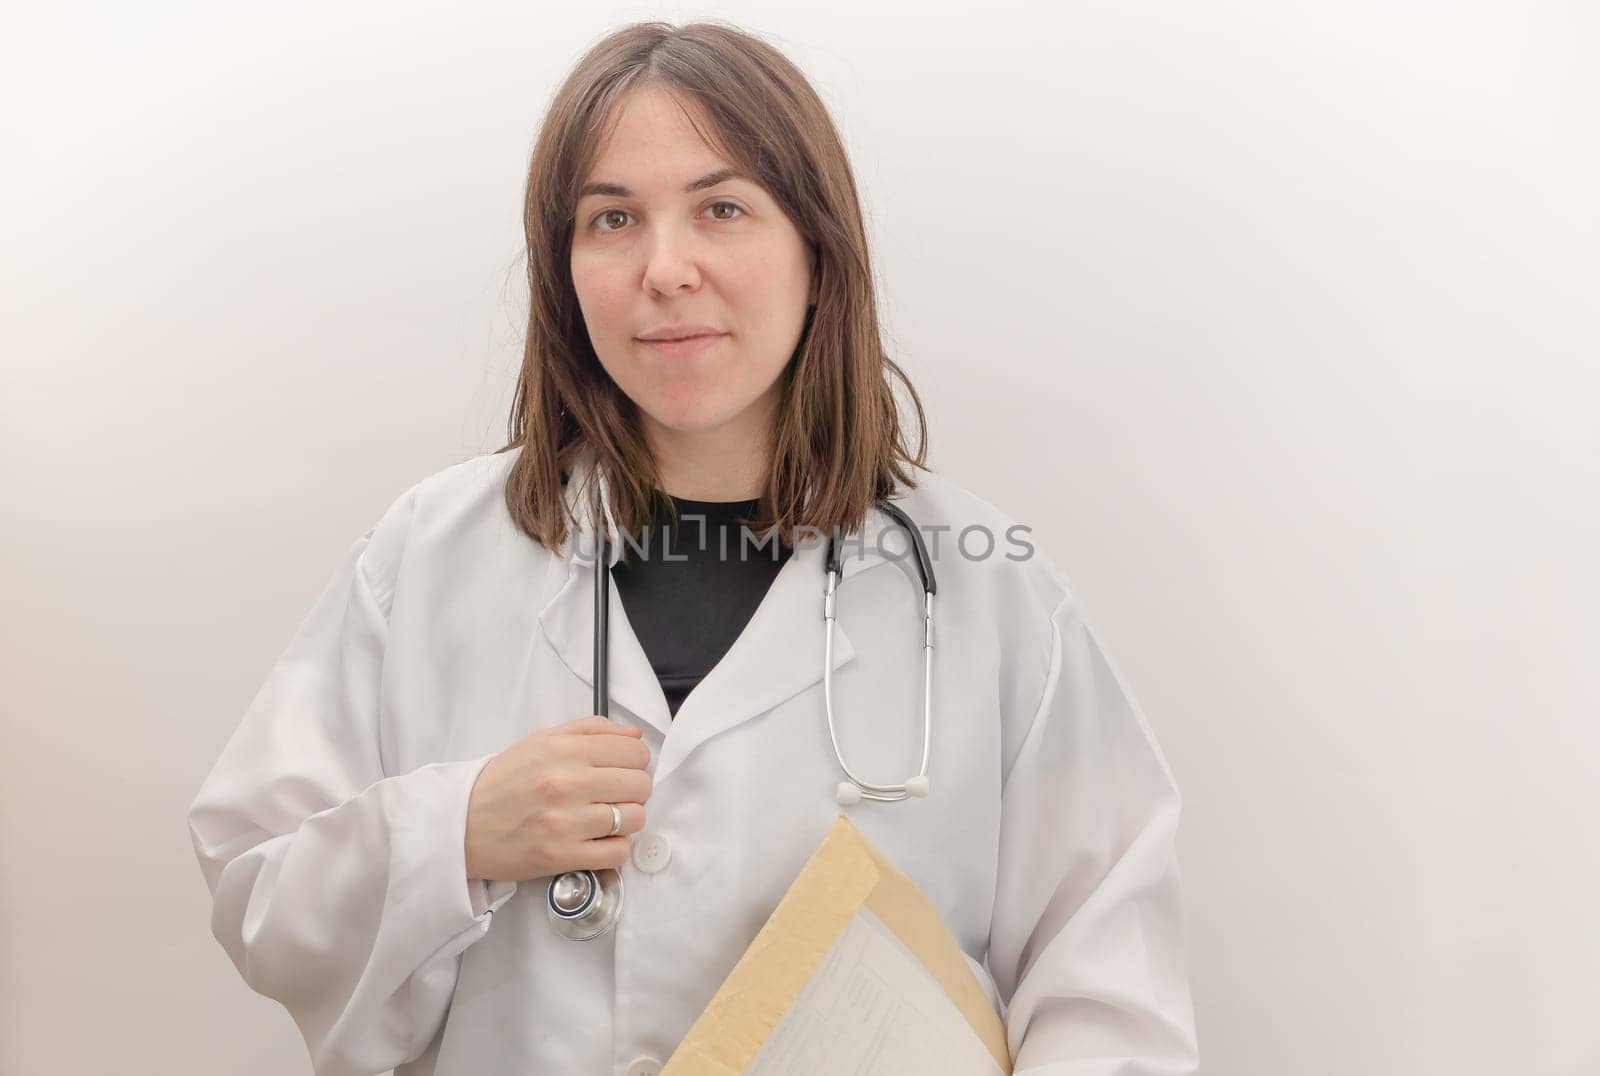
(686, 345)
(679, 330)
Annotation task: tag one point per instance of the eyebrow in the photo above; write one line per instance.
(617, 190)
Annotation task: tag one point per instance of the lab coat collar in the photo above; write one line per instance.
(778, 654)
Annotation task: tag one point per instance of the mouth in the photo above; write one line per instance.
(684, 345)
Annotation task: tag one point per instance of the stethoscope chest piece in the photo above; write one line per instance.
(585, 904)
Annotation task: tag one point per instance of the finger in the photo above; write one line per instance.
(600, 853)
(609, 784)
(597, 819)
(594, 723)
(626, 751)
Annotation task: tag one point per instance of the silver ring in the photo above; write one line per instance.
(616, 820)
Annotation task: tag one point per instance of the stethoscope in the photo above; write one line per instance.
(584, 904)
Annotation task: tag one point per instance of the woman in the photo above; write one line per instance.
(379, 832)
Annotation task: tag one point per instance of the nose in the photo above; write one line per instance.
(672, 261)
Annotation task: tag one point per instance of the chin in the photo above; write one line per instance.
(688, 416)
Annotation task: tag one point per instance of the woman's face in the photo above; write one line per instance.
(666, 242)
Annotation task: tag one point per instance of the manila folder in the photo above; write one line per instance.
(854, 972)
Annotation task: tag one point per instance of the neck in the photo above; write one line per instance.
(725, 464)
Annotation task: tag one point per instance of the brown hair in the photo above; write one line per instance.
(836, 445)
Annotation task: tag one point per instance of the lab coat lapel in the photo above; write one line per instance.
(568, 622)
(568, 617)
(777, 655)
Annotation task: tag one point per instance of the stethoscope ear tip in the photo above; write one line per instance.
(847, 794)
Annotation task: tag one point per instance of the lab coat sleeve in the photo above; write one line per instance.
(1087, 942)
(340, 890)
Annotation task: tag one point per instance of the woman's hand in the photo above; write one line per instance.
(540, 806)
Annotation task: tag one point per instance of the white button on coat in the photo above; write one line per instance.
(651, 851)
(644, 1066)
(330, 830)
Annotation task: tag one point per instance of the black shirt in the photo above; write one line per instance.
(688, 610)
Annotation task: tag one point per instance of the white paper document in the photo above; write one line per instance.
(872, 1009)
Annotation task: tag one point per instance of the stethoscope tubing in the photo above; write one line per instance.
(602, 630)
(601, 908)
(918, 785)
(599, 899)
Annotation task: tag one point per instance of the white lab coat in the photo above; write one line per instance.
(330, 830)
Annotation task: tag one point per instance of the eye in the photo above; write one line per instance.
(604, 213)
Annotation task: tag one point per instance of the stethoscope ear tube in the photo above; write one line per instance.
(584, 904)
(602, 627)
(856, 789)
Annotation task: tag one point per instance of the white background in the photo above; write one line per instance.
(1278, 323)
